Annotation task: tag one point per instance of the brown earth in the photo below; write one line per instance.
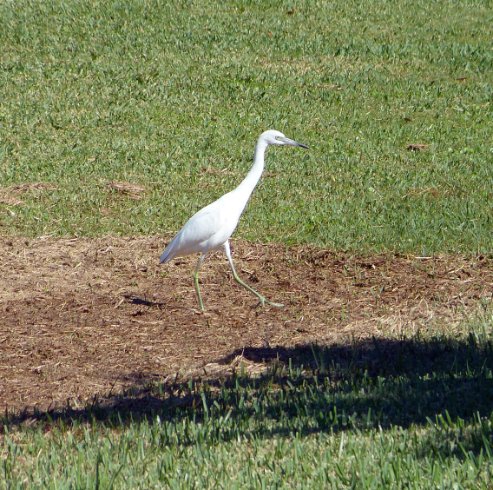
(83, 317)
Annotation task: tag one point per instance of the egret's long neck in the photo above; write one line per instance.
(250, 181)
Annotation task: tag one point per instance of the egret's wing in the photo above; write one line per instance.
(198, 229)
(202, 225)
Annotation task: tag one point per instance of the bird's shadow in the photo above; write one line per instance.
(136, 300)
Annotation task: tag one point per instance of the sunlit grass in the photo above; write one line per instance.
(156, 92)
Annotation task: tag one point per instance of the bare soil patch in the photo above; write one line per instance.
(10, 196)
(82, 317)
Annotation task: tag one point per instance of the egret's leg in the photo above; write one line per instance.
(196, 280)
(262, 299)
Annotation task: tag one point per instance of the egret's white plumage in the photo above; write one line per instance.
(212, 226)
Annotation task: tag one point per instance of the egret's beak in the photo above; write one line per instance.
(290, 142)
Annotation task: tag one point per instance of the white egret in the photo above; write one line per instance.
(212, 226)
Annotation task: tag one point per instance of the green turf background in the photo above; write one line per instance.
(172, 96)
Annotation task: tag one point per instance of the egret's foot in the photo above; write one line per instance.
(276, 305)
(261, 298)
(263, 301)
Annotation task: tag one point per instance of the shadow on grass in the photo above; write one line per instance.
(310, 388)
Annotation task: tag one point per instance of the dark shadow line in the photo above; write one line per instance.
(135, 300)
(421, 380)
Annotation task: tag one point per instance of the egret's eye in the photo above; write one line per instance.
(278, 138)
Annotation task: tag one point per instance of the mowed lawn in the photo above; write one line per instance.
(394, 99)
(172, 96)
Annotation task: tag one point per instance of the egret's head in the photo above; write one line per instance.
(273, 137)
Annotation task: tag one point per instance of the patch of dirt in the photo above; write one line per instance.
(132, 191)
(417, 147)
(10, 196)
(85, 317)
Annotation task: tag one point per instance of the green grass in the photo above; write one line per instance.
(154, 92)
(409, 412)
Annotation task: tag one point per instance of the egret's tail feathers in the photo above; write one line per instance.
(169, 253)
(165, 257)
